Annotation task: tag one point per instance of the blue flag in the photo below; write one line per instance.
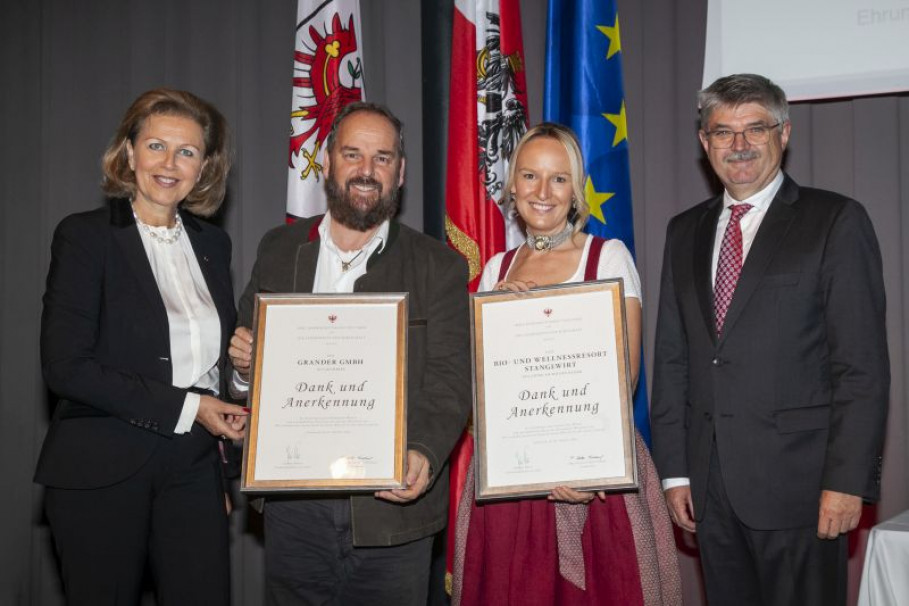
(583, 90)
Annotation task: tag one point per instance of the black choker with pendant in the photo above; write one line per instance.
(545, 243)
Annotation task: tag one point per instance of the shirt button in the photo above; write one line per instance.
(717, 361)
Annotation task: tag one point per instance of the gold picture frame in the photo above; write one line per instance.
(328, 393)
(552, 390)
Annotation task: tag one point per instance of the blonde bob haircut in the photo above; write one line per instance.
(207, 195)
(569, 141)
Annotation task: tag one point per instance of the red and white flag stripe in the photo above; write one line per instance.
(328, 74)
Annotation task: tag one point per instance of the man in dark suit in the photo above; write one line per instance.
(370, 548)
(771, 375)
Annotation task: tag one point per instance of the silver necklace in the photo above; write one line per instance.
(164, 235)
(345, 265)
(546, 243)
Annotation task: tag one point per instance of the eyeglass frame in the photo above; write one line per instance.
(736, 133)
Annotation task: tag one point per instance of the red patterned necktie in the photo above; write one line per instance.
(729, 265)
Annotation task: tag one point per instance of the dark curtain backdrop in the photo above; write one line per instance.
(69, 70)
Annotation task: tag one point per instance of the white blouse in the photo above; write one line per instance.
(195, 327)
(615, 262)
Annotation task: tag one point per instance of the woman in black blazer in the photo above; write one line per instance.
(137, 313)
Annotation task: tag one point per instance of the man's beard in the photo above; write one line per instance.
(346, 208)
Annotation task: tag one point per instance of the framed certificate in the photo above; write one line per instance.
(327, 393)
(552, 390)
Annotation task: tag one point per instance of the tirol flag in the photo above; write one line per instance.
(487, 116)
(328, 74)
(583, 89)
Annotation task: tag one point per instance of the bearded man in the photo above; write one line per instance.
(369, 548)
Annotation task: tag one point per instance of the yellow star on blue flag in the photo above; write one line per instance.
(621, 127)
(595, 200)
(615, 42)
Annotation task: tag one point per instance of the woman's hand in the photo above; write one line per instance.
(570, 495)
(221, 418)
(515, 285)
(238, 423)
(240, 351)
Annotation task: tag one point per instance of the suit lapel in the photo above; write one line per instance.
(220, 291)
(703, 261)
(766, 243)
(307, 259)
(126, 234)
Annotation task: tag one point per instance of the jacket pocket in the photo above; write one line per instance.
(809, 418)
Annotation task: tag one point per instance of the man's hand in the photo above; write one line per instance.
(240, 351)
(681, 509)
(416, 480)
(838, 514)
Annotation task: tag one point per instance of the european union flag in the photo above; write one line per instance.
(583, 90)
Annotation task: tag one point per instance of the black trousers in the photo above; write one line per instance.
(310, 559)
(744, 567)
(170, 514)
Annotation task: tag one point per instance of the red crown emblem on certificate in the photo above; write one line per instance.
(332, 318)
(547, 311)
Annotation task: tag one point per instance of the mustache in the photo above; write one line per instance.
(365, 181)
(744, 155)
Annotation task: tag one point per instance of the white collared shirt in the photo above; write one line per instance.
(331, 277)
(750, 223)
(192, 319)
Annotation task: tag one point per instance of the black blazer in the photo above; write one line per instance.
(105, 345)
(796, 389)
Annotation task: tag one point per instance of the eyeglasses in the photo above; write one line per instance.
(755, 135)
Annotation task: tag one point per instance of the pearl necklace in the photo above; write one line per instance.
(547, 243)
(162, 234)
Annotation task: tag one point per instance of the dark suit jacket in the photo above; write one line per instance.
(105, 345)
(796, 389)
(438, 347)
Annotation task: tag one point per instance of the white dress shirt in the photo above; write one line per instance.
(331, 277)
(192, 318)
(750, 223)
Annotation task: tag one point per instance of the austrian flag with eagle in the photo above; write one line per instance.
(487, 116)
(328, 74)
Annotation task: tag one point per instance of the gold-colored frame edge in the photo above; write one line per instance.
(248, 482)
